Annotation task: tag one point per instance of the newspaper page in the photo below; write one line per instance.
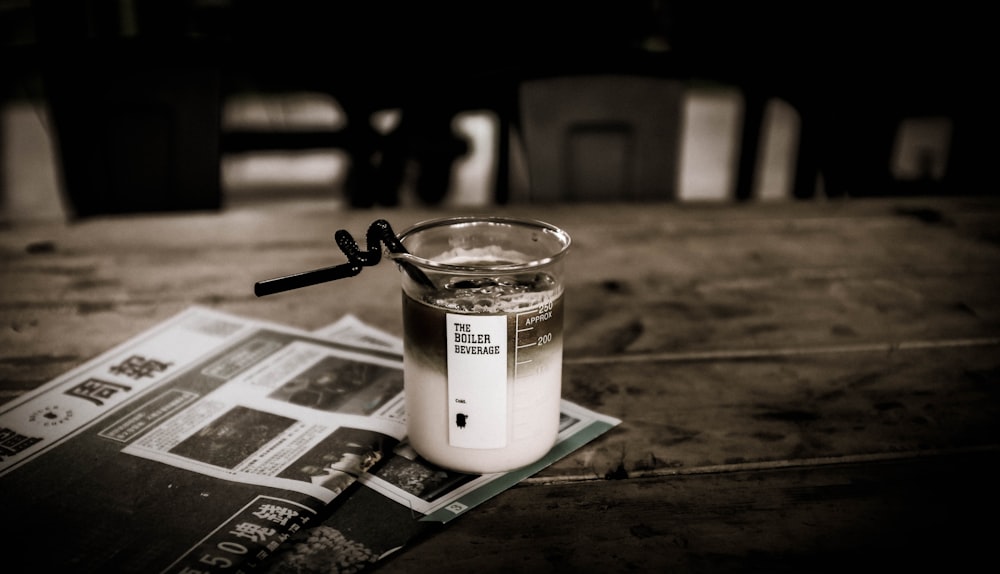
(215, 443)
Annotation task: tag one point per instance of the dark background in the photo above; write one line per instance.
(852, 70)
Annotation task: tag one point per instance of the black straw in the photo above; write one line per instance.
(305, 279)
(378, 232)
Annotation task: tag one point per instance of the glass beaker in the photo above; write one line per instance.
(483, 339)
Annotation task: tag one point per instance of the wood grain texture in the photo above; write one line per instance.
(892, 516)
(800, 384)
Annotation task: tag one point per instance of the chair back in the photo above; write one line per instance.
(601, 137)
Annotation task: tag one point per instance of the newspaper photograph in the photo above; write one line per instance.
(217, 443)
(310, 419)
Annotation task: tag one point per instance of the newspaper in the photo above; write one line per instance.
(217, 443)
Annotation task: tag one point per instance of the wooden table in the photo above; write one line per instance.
(803, 386)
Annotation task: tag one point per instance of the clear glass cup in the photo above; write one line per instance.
(483, 339)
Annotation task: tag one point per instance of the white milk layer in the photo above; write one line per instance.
(533, 389)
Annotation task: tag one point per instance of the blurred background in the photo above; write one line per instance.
(121, 106)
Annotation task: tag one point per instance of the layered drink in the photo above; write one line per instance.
(483, 373)
(483, 341)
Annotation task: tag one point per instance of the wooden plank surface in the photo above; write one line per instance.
(643, 279)
(796, 381)
(913, 515)
(686, 416)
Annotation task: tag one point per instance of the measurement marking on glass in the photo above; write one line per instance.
(517, 337)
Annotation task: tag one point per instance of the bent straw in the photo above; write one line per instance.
(305, 279)
(378, 232)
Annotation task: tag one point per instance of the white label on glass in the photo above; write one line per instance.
(477, 380)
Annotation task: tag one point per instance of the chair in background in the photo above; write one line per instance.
(594, 137)
(134, 103)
